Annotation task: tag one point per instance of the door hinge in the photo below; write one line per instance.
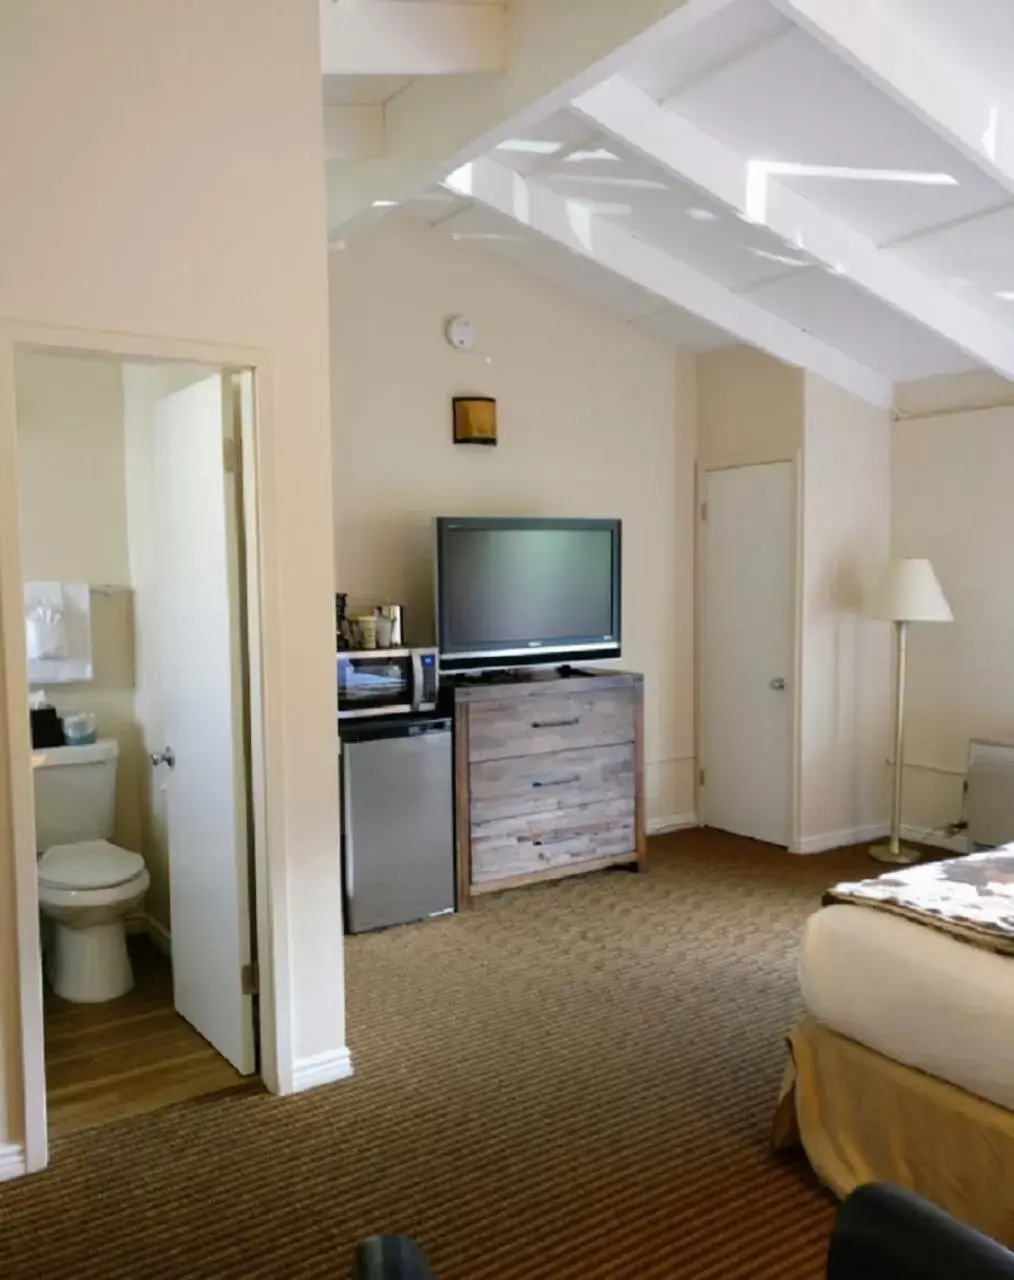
(230, 455)
(704, 511)
(250, 979)
(700, 777)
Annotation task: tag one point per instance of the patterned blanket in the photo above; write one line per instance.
(970, 897)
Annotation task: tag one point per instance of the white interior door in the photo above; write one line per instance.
(747, 650)
(200, 655)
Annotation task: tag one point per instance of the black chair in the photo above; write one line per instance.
(880, 1233)
(390, 1258)
(884, 1233)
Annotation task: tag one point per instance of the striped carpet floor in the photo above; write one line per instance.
(570, 1081)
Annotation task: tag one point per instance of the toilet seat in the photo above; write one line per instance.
(91, 864)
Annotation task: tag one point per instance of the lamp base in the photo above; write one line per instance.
(904, 855)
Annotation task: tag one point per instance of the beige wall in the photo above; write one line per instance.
(754, 409)
(70, 464)
(594, 419)
(844, 699)
(163, 182)
(951, 502)
(750, 412)
(750, 408)
(73, 523)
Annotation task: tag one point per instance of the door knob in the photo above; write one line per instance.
(776, 683)
(166, 757)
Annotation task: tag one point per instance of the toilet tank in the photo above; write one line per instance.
(75, 793)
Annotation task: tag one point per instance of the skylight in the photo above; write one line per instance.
(596, 153)
(783, 258)
(486, 235)
(642, 184)
(530, 146)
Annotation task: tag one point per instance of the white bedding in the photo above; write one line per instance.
(914, 994)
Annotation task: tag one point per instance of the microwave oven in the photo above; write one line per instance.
(387, 682)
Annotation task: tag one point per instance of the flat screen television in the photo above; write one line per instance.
(526, 592)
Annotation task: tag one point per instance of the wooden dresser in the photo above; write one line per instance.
(548, 777)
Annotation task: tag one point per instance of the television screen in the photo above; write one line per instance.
(516, 591)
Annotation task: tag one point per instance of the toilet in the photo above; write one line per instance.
(87, 886)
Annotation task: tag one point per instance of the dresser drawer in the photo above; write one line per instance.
(535, 726)
(533, 784)
(521, 846)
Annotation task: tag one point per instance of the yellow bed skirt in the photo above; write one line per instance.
(862, 1118)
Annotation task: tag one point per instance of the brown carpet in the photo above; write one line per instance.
(569, 1081)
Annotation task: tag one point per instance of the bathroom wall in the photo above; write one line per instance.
(73, 527)
(174, 193)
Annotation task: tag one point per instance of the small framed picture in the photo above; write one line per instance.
(474, 420)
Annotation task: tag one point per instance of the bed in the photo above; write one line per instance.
(903, 1068)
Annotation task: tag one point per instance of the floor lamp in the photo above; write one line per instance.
(908, 592)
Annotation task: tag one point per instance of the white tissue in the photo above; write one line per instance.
(58, 632)
(46, 632)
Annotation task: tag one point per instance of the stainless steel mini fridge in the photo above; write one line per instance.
(398, 820)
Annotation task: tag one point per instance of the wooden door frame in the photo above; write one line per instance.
(795, 461)
(27, 1097)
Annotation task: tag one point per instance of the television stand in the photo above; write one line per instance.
(548, 777)
(515, 675)
(493, 675)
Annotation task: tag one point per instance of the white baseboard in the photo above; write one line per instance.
(141, 922)
(827, 840)
(923, 835)
(12, 1161)
(878, 831)
(675, 822)
(323, 1068)
(159, 934)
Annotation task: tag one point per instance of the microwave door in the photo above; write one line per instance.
(373, 685)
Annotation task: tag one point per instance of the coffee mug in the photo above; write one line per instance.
(366, 630)
(384, 629)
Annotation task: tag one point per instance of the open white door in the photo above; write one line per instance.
(747, 650)
(200, 654)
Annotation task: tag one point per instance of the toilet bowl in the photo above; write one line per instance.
(87, 890)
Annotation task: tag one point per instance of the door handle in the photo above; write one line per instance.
(776, 683)
(166, 757)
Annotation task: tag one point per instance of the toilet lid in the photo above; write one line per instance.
(92, 864)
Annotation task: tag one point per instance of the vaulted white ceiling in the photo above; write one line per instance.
(830, 182)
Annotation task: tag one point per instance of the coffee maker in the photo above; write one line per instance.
(342, 625)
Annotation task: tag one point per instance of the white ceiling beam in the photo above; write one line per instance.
(571, 224)
(556, 50)
(425, 38)
(753, 190)
(889, 51)
(353, 131)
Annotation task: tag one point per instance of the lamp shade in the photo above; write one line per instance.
(909, 592)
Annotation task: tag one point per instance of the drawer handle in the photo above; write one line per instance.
(558, 782)
(553, 840)
(555, 724)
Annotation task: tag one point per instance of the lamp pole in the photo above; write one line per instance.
(893, 851)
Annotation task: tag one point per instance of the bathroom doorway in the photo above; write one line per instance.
(139, 619)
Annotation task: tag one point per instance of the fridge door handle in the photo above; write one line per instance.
(346, 836)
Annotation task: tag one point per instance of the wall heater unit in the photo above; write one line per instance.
(989, 803)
